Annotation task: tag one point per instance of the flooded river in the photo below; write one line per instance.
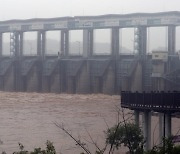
(29, 118)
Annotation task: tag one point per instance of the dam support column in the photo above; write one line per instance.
(137, 78)
(91, 41)
(115, 55)
(41, 53)
(87, 43)
(41, 44)
(18, 44)
(142, 49)
(18, 51)
(1, 44)
(84, 81)
(142, 41)
(21, 44)
(65, 43)
(115, 42)
(147, 129)
(171, 39)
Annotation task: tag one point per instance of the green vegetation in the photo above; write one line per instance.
(168, 148)
(129, 135)
(50, 149)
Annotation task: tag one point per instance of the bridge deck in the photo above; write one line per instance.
(155, 101)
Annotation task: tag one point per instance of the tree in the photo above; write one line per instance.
(127, 134)
(169, 147)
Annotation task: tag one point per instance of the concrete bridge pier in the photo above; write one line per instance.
(167, 124)
(161, 127)
(147, 129)
(164, 126)
(136, 117)
(146, 125)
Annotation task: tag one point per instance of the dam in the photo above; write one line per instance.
(89, 72)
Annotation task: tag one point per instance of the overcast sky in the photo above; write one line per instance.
(22, 9)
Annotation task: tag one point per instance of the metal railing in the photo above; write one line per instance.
(155, 100)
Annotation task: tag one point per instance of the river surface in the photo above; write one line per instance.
(29, 118)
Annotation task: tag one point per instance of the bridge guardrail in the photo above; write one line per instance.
(156, 100)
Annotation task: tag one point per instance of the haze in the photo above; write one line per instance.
(22, 9)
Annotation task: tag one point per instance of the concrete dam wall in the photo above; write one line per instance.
(89, 72)
(73, 75)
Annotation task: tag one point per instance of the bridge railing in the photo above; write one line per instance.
(155, 100)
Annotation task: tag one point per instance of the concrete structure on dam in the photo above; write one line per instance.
(88, 72)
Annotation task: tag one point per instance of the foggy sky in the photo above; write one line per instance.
(23, 9)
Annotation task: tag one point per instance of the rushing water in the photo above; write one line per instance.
(29, 118)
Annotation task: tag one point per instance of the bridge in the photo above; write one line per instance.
(89, 72)
(165, 103)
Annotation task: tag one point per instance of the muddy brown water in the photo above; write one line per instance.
(29, 118)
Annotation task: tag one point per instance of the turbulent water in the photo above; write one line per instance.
(29, 118)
